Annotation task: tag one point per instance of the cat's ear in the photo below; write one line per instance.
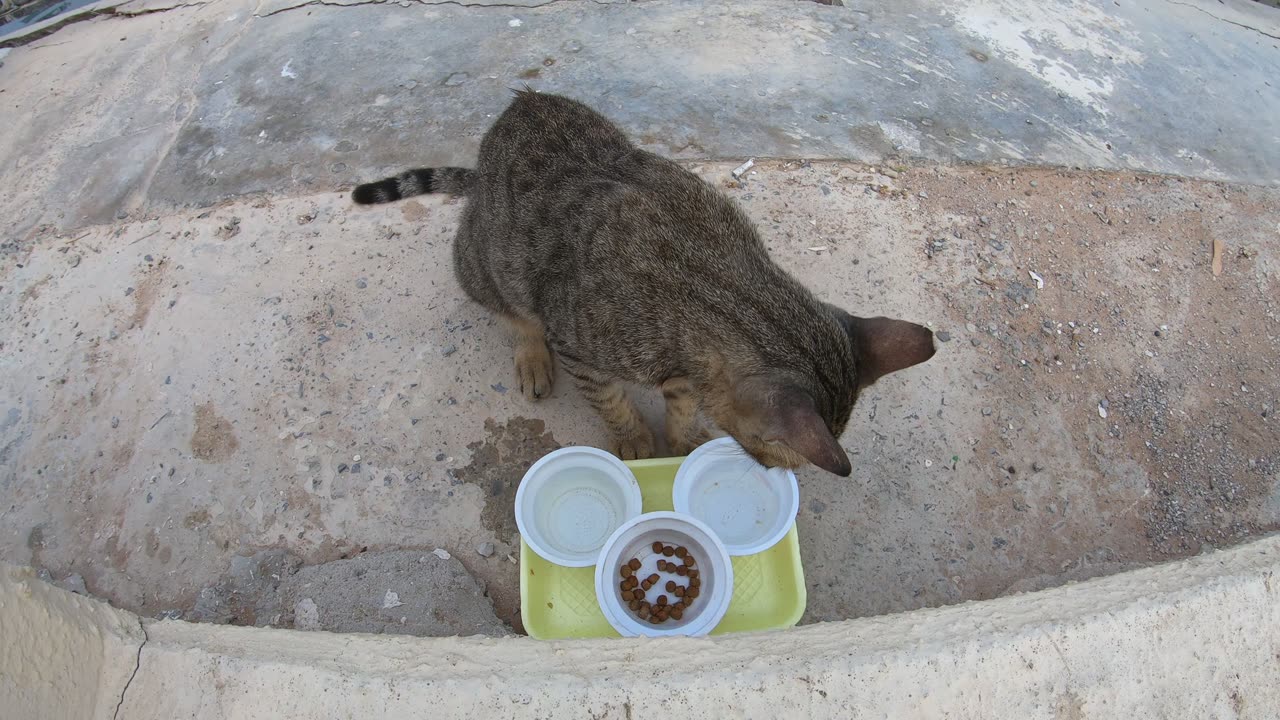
(786, 415)
(885, 345)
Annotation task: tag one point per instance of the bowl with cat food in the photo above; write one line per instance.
(662, 574)
(750, 507)
(571, 500)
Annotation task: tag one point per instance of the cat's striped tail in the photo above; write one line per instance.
(449, 180)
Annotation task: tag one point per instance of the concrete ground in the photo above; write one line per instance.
(209, 354)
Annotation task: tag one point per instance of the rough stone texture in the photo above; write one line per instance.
(224, 98)
(185, 387)
(394, 592)
(1192, 639)
(61, 655)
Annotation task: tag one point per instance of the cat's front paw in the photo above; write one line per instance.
(534, 371)
(637, 445)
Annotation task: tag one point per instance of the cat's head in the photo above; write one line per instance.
(791, 418)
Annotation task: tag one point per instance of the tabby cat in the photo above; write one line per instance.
(631, 268)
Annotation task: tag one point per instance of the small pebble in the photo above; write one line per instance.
(449, 350)
(943, 336)
(485, 549)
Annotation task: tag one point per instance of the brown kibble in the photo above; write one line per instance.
(682, 553)
(657, 547)
(637, 594)
(646, 585)
(643, 612)
(662, 600)
(679, 591)
(653, 579)
(681, 605)
(693, 592)
(677, 612)
(671, 585)
(634, 605)
(655, 619)
(692, 573)
(631, 582)
(689, 563)
(628, 596)
(668, 551)
(682, 571)
(634, 564)
(626, 571)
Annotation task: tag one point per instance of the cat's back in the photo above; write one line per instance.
(540, 133)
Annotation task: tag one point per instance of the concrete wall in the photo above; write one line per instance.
(1198, 638)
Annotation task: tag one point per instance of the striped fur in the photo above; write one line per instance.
(449, 180)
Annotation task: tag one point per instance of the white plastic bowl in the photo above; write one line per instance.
(634, 540)
(749, 506)
(570, 502)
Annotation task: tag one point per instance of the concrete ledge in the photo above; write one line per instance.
(1197, 638)
(61, 655)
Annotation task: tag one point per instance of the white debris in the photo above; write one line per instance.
(818, 248)
(515, 22)
(391, 600)
(442, 554)
(742, 169)
(287, 72)
(928, 463)
(1102, 412)
(355, 458)
(306, 615)
(1039, 280)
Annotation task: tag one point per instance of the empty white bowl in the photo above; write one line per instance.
(749, 506)
(570, 502)
(635, 540)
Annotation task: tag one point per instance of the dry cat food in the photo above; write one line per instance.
(659, 611)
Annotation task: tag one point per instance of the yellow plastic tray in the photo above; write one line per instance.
(560, 602)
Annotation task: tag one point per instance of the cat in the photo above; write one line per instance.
(632, 269)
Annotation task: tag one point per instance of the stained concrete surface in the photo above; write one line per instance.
(282, 372)
(296, 373)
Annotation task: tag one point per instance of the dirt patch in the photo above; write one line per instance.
(497, 464)
(414, 211)
(144, 296)
(213, 440)
(32, 292)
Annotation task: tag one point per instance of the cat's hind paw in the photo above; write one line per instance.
(688, 441)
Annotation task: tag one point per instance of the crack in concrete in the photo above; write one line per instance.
(90, 14)
(136, 667)
(1193, 6)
